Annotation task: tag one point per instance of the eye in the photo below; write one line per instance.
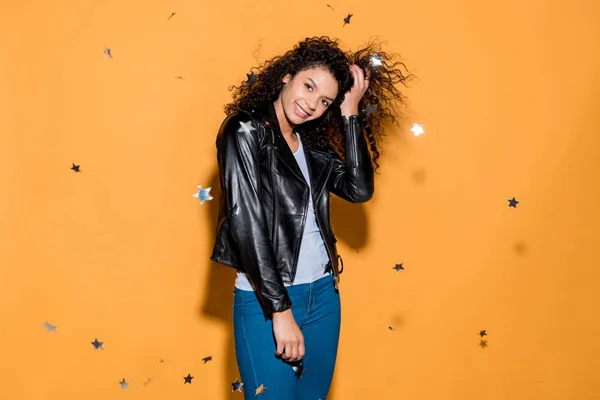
(325, 102)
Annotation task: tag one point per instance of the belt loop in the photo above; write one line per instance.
(340, 258)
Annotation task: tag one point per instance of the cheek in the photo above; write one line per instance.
(318, 114)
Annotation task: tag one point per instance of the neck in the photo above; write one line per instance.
(285, 126)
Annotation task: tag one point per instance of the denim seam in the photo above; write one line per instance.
(308, 304)
(248, 347)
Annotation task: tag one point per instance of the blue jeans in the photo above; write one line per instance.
(317, 311)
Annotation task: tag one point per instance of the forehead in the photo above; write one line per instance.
(319, 75)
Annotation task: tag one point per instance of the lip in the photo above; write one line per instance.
(298, 108)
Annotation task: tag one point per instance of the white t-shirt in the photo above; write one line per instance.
(313, 255)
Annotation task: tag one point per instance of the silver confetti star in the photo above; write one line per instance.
(97, 345)
(398, 267)
(49, 327)
(237, 385)
(417, 129)
(299, 370)
(251, 78)
(347, 19)
(376, 60)
(124, 385)
(107, 52)
(369, 109)
(203, 194)
(246, 127)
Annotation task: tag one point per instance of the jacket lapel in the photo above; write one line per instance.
(318, 162)
(318, 169)
(280, 146)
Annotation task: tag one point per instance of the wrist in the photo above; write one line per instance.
(283, 313)
(348, 111)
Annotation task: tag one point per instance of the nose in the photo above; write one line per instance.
(311, 103)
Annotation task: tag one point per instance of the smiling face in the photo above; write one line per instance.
(306, 96)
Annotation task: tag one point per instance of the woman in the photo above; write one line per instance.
(294, 134)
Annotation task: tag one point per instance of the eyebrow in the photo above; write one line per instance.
(315, 85)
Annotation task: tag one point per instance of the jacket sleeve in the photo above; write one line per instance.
(353, 180)
(237, 155)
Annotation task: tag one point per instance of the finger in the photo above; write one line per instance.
(280, 348)
(357, 77)
(361, 78)
(353, 72)
(295, 352)
(301, 350)
(287, 352)
(290, 352)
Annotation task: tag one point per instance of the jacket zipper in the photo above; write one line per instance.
(351, 130)
(297, 252)
(329, 252)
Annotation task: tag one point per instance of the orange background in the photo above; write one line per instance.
(508, 97)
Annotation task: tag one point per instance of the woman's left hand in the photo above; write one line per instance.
(361, 83)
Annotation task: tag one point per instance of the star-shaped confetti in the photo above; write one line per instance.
(347, 19)
(49, 327)
(235, 210)
(207, 359)
(513, 202)
(97, 345)
(181, 78)
(250, 78)
(246, 127)
(107, 52)
(299, 370)
(260, 389)
(483, 343)
(203, 194)
(75, 168)
(330, 7)
(237, 385)
(482, 333)
(147, 382)
(390, 328)
(398, 267)
(376, 60)
(171, 16)
(417, 129)
(124, 385)
(188, 379)
(370, 109)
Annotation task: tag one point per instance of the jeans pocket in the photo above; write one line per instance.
(237, 297)
(241, 297)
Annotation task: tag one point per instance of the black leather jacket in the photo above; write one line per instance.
(264, 198)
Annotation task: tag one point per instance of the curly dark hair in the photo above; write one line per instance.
(325, 132)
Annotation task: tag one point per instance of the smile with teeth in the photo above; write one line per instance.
(300, 111)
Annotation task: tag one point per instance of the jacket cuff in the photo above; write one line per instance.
(277, 306)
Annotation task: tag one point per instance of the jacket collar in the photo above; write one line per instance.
(317, 162)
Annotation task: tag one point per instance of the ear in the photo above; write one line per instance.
(286, 78)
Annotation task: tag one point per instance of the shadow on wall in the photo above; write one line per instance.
(216, 302)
